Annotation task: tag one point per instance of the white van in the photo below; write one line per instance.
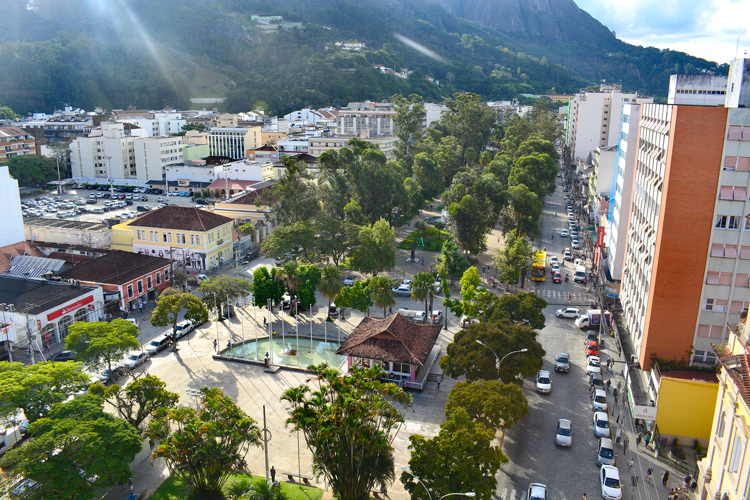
(411, 315)
(580, 275)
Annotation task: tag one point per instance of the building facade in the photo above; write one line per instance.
(366, 119)
(319, 145)
(697, 90)
(16, 142)
(11, 218)
(234, 142)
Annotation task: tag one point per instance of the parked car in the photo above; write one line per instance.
(605, 452)
(536, 491)
(592, 348)
(554, 260)
(562, 362)
(543, 382)
(568, 312)
(349, 280)
(601, 424)
(403, 290)
(596, 380)
(593, 365)
(564, 434)
(200, 201)
(437, 317)
(158, 344)
(202, 277)
(65, 356)
(104, 378)
(599, 399)
(183, 328)
(609, 477)
(574, 243)
(136, 359)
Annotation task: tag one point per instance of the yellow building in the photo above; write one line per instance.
(725, 471)
(686, 405)
(271, 138)
(245, 208)
(197, 238)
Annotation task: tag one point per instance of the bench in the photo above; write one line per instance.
(291, 475)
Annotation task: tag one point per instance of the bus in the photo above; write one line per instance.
(539, 266)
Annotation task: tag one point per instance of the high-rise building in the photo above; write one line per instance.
(11, 219)
(234, 142)
(15, 142)
(366, 119)
(698, 90)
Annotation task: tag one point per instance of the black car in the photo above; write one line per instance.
(200, 201)
(142, 208)
(65, 356)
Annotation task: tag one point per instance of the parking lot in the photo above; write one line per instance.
(97, 205)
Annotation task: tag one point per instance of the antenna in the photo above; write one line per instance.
(737, 49)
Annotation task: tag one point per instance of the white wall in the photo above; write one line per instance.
(11, 219)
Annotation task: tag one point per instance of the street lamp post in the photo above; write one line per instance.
(469, 494)
(498, 360)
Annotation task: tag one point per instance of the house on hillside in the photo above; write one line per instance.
(404, 350)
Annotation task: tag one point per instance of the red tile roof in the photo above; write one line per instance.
(116, 268)
(181, 218)
(393, 339)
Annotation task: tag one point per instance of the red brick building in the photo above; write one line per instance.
(126, 278)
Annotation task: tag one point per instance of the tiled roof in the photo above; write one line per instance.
(181, 218)
(12, 132)
(393, 339)
(116, 268)
(250, 197)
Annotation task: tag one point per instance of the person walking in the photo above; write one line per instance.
(625, 445)
(649, 475)
(570, 298)
(273, 474)
(630, 463)
(609, 383)
(438, 380)
(638, 439)
(665, 478)
(215, 344)
(647, 439)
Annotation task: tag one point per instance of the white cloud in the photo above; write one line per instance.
(706, 29)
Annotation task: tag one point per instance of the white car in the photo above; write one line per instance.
(135, 359)
(202, 277)
(599, 399)
(543, 382)
(349, 280)
(601, 424)
(575, 244)
(554, 260)
(555, 266)
(568, 312)
(609, 477)
(593, 365)
(183, 328)
(564, 233)
(404, 289)
(564, 434)
(537, 491)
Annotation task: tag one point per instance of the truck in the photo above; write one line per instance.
(411, 315)
(580, 275)
(593, 318)
(10, 437)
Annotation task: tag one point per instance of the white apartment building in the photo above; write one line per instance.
(433, 113)
(601, 178)
(622, 190)
(319, 145)
(11, 219)
(594, 118)
(115, 152)
(366, 119)
(159, 123)
(234, 142)
(697, 90)
(293, 145)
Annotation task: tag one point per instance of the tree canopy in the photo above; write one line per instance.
(377, 249)
(139, 399)
(172, 302)
(99, 343)
(492, 403)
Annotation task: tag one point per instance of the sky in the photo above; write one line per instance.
(702, 28)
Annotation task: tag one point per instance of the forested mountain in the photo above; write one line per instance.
(151, 54)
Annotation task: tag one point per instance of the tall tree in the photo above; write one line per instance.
(292, 242)
(288, 276)
(35, 388)
(203, 447)
(349, 424)
(334, 238)
(376, 251)
(408, 119)
(468, 225)
(513, 258)
(422, 290)
(266, 286)
(294, 198)
(223, 289)
(469, 120)
(382, 292)
(461, 458)
(523, 213)
(170, 305)
(525, 308)
(491, 403)
(99, 343)
(308, 278)
(536, 171)
(465, 357)
(77, 452)
(450, 261)
(358, 296)
(330, 285)
(139, 399)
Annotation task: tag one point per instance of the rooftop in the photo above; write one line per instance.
(182, 218)
(392, 339)
(115, 268)
(65, 224)
(35, 296)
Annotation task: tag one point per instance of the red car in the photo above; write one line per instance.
(557, 277)
(592, 348)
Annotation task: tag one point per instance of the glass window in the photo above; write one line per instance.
(149, 283)
(139, 283)
(158, 278)
(130, 291)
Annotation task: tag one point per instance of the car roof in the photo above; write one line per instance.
(592, 357)
(600, 415)
(544, 372)
(158, 339)
(564, 422)
(605, 442)
(563, 354)
(600, 392)
(611, 471)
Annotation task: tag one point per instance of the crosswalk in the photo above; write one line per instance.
(559, 296)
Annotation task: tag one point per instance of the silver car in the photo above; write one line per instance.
(601, 424)
(562, 362)
(564, 434)
(605, 452)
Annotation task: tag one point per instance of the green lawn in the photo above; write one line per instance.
(433, 239)
(175, 489)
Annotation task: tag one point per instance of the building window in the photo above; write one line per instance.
(154, 236)
(715, 305)
(711, 331)
(166, 275)
(166, 237)
(704, 357)
(149, 283)
(722, 424)
(139, 283)
(140, 234)
(735, 193)
(130, 291)
(158, 278)
(180, 238)
(727, 221)
(718, 250)
(401, 368)
(209, 238)
(195, 240)
(737, 452)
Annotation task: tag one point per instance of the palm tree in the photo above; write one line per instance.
(421, 290)
(382, 292)
(288, 275)
(330, 285)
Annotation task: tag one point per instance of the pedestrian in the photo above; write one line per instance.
(438, 380)
(584, 496)
(665, 478)
(570, 298)
(265, 321)
(132, 496)
(273, 474)
(422, 261)
(216, 343)
(130, 485)
(625, 445)
(649, 474)
(688, 480)
(630, 463)
(609, 383)
(638, 439)
(390, 310)
(647, 439)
